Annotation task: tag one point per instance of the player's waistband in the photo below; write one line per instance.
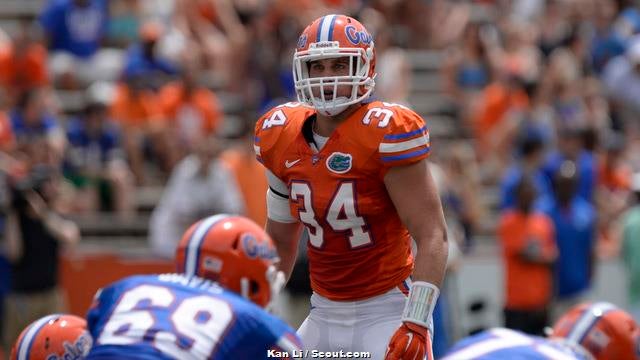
(398, 293)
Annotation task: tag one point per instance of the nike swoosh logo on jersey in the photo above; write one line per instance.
(289, 164)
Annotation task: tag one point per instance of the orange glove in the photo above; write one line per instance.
(410, 341)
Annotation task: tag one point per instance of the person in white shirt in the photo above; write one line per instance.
(199, 186)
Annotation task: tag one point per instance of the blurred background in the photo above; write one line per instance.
(124, 121)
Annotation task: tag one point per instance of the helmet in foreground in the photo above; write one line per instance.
(602, 329)
(57, 336)
(233, 251)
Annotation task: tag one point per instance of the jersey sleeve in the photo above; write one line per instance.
(285, 339)
(406, 140)
(267, 133)
(275, 131)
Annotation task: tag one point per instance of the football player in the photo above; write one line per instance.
(57, 336)
(353, 171)
(596, 331)
(212, 309)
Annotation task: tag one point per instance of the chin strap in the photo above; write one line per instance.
(276, 280)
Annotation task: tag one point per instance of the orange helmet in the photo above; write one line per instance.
(603, 329)
(233, 251)
(55, 336)
(329, 37)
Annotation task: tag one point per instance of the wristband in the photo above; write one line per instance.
(420, 303)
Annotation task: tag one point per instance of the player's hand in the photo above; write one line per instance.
(410, 341)
(277, 281)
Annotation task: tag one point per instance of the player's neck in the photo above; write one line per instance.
(325, 125)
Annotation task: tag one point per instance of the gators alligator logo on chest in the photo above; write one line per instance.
(339, 163)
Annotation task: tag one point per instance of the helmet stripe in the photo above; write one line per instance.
(195, 242)
(319, 29)
(24, 348)
(588, 320)
(333, 22)
(326, 26)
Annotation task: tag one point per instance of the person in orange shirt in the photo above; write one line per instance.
(529, 251)
(137, 109)
(192, 111)
(493, 132)
(23, 63)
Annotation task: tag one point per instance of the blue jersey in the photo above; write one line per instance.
(500, 343)
(172, 316)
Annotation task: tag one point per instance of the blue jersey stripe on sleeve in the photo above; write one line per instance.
(405, 135)
(406, 156)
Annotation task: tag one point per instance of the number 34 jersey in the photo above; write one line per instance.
(358, 246)
(172, 316)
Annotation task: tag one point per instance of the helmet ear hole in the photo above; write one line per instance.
(235, 243)
(254, 287)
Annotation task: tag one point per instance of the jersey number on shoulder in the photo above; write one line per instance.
(278, 117)
(342, 214)
(381, 114)
(198, 322)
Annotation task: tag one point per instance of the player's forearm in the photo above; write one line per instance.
(285, 238)
(431, 256)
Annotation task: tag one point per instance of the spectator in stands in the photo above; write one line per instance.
(191, 111)
(124, 22)
(621, 78)
(217, 30)
(35, 233)
(468, 67)
(199, 186)
(31, 119)
(136, 108)
(23, 62)
(529, 252)
(143, 60)
(74, 31)
(527, 165)
(461, 194)
(95, 161)
(608, 41)
(631, 248)
(571, 147)
(574, 220)
(492, 130)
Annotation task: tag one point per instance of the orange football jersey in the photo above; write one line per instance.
(358, 246)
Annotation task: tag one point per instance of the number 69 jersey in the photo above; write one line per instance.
(172, 316)
(358, 246)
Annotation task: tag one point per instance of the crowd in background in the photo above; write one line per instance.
(99, 98)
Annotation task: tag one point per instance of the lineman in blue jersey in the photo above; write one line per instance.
(598, 331)
(213, 309)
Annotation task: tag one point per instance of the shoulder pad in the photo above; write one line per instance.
(281, 119)
(406, 135)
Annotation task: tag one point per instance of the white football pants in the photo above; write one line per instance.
(365, 325)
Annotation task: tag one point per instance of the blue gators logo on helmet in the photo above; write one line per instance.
(356, 37)
(339, 163)
(254, 248)
(302, 41)
(76, 351)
